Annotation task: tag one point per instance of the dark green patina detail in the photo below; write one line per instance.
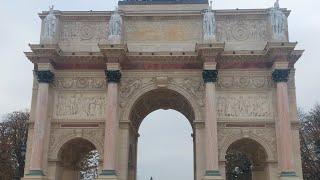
(210, 76)
(288, 174)
(44, 76)
(108, 173)
(212, 173)
(113, 75)
(280, 75)
(35, 173)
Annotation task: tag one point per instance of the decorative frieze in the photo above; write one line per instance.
(79, 106)
(113, 76)
(249, 106)
(210, 76)
(87, 83)
(244, 80)
(239, 29)
(44, 76)
(281, 75)
(89, 31)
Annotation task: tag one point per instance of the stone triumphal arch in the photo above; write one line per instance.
(229, 72)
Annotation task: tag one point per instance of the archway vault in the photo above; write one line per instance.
(160, 99)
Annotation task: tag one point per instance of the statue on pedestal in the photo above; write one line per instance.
(278, 22)
(115, 28)
(50, 24)
(209, 25)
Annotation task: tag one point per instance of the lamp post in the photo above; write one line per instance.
(23, 156)
(20, 168)
(317, 148)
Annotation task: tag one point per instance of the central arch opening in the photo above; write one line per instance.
(164, 147)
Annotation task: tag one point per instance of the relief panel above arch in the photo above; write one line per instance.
(245, 96)
(79, 106)
(79, 96)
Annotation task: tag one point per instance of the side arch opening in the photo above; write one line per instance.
(78, 160)
(246, 159)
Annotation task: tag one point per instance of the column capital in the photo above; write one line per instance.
(280, 75)
(113, 76)
(44, 76)
(210, 76)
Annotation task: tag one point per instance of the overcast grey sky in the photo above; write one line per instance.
(20, 25)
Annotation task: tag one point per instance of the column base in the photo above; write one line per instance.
(102, 177)
(108, 175)
(35, 178)
(211, 175)
(289, 176)
(35, 175)
(32, 177)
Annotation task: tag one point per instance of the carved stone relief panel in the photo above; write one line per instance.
(237, 28)
(76, 105)
(244, 106)
(87, 83)
(90, 31)
(244, 80)
(163, 29)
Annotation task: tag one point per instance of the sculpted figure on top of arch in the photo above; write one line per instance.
(278, 21)
(209, 25)
(115, 28)
(50, 25)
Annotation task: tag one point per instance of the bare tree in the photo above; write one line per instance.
(13, 138)
(310, 143)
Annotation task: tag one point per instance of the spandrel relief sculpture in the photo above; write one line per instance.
(115, 28)
(50, 26)
(278, 22)
(79, 106)
(209, 25)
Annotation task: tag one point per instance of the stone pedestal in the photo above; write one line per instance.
(31, 177)
(102, 177)
(290, 178)
(213, 177)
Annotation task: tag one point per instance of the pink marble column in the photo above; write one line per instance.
(111, 124)
(40, 123)
(284, 134)
(212, 160)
